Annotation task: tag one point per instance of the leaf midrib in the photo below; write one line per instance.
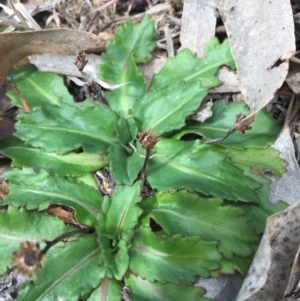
(70, 272)
(198, 222)
(73, 131)
(86, 206)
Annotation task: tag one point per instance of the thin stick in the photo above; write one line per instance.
(231, 131)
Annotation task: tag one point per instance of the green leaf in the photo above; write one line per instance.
(264, 128)
(188, 68)
(71, 164)
(69, 127)
(236, 263)
(20, 225)
(200, 167)
(67, 273)
(124, 163)
(143, 290)
(258, 213)
(109, 289)
(114, 256)
(258, 160)
(39, 190)
(120, 212)
(126, 131)
(166, 109)
(132, 44)
(39, 88)
(124, 166)
(172, 259)
(190, 215)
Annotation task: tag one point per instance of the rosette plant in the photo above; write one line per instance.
(166, 209)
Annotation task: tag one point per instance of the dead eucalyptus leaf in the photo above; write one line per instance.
(229, 81)
(62, 63)
(287, 187)
(198, 25)
(271, 269)
(261, 59)
(16, 45)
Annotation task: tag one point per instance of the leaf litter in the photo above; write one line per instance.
(249, 88)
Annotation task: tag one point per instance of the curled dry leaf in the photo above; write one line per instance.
(65, 215)
(16, 45)
(270, 271)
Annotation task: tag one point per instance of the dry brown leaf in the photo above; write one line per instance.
(63, 214)
(15, 45)
(3, 190)
(293, 78)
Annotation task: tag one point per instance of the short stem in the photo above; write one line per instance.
(64, 236)
(142, 175)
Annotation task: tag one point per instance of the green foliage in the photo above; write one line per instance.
(18, 225)
(39, 88)
(198, 213)
(264, 127)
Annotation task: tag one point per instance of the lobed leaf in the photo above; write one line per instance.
(258, 160)
(132, 44)
(190, 215)
(114, 256)
(185, 67)
(166, 109)
(20, 225)
(39, 190)
(71, 164)
(124, 166)
(144, 290)
(69, 127)
(124, 163)
(258, 213)
(67, 272)
(109, 289)
(203, 168)
(120, 212)
(264, 128)
(172, 259)
(39, 88)
(230, 266)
